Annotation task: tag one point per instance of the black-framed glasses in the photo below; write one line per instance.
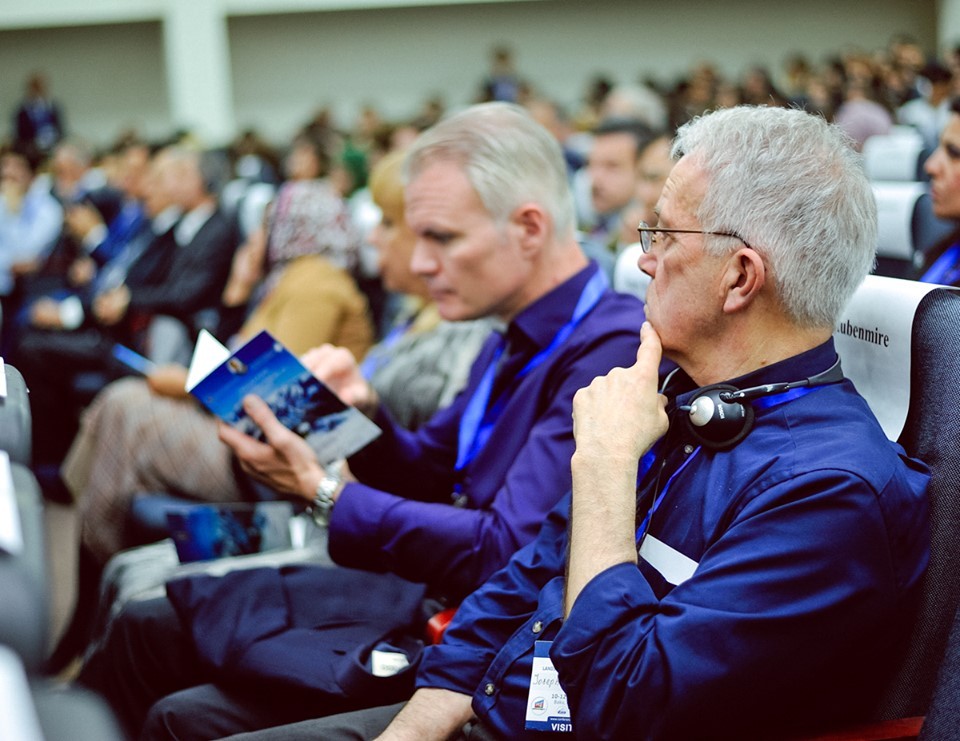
(647, 234)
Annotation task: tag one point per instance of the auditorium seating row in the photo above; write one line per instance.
(908, 228)
(31, 708)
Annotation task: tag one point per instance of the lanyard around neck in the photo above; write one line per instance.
(945, 269)
(477, 421)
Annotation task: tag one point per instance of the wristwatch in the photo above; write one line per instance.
(323, 500)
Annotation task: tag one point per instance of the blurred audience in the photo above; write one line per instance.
(149, 435)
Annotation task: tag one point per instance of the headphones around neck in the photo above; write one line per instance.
(720, 416)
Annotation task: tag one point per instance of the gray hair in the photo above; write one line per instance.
(791, 185)
(508, 158)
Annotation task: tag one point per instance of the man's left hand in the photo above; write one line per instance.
(285, 462)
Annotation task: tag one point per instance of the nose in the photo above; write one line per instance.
(422, 261)
(375, 234)
(647, 262)
(932, 165)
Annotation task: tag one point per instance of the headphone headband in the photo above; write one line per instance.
(720, 415)
(833, 374)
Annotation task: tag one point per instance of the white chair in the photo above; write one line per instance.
(894, 156)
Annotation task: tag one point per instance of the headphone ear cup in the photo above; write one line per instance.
(717, 424)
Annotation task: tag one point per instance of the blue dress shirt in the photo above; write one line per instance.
(806, 542)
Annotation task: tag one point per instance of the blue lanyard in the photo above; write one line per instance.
(477, 422)
(764, 402)
(945, 269)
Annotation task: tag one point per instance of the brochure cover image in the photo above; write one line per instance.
(301, 403)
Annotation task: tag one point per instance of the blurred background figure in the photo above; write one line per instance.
(38, 122)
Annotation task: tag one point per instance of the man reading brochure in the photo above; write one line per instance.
(487, 197)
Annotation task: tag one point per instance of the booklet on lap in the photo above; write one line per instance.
(220, 379)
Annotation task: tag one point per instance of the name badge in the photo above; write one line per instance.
(547, 702)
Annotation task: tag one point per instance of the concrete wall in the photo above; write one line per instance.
(284, 64)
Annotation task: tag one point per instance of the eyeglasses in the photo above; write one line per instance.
(647, 234)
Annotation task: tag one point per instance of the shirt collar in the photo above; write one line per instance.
(164, 221)
(795, 368)
(193, 222)
(537, 324)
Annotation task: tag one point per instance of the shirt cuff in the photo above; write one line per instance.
(450, 667)
(600, 606)
(71, 312)
(95, 237)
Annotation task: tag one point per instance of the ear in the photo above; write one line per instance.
(530, 223)
(743, 279)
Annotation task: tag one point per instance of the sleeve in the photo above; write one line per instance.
(379, 531)
(796, 582)
(489, 616)
(34, 236)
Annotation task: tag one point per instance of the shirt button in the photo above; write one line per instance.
(688, 449)
(489, 689)
(537, 627)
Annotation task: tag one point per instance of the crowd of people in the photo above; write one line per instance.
(476, 284)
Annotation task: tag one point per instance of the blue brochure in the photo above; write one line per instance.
(302, 403)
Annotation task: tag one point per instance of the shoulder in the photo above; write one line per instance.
(318, 272)
(832, 433)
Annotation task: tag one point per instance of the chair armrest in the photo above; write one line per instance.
(438, 624)
(887, 730)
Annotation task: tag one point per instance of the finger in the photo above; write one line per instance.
(244, 446)
(318, 358)
(265, 419)
(650, 350)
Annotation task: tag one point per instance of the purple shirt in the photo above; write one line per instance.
(515, 479)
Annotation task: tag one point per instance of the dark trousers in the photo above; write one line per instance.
(50, 363)
(360, 725)
(148, 671)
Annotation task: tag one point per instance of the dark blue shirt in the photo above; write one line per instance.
(792, 561)
(515, 479)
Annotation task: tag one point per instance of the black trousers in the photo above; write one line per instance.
(360, 725)
(50, 363)
(149, 672)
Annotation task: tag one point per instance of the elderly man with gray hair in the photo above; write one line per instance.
(742, 544)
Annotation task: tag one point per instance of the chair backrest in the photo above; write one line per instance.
(898, 341)
(896, 205)
(943, 715)
(932, 434)
(15, 420)
(894, 156)
(928, 229)
(23, 583)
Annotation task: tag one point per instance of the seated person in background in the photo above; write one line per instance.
(30, 222)
(705, 581)
(487, 200)
(653, 167)
(72, 181)
(61, 300)
(612, 171)
(191, 276)
(149, 435)
(942, 263)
